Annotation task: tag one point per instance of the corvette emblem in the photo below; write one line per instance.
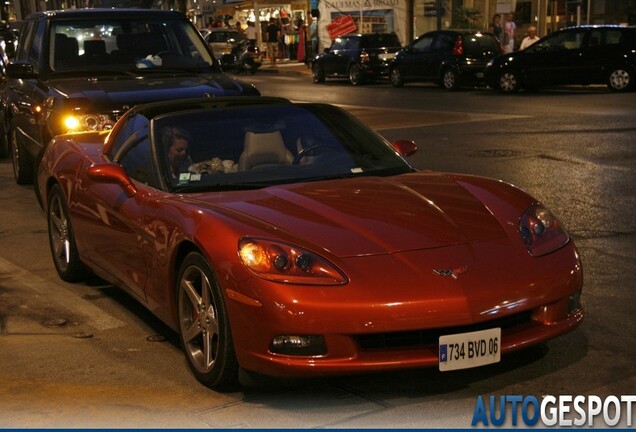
(454, 273)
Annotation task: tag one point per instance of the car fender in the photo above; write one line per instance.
(446, 64)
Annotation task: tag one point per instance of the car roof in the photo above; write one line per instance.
(104, 12)
(599, 26)
(366, 34)
(223, 29)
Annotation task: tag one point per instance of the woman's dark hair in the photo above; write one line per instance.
(169, 133)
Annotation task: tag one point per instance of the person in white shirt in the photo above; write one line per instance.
(530, 39)
(509, 34)
(251, 32)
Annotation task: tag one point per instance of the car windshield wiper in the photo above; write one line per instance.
(96, 72)
(218, 187)
(333, 177)
(170, 70)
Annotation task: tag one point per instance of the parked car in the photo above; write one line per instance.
(451, 58)
(358, 57)
(291, 240)
(204, 32)
(577, 55)
(80, 70)
(223, 40)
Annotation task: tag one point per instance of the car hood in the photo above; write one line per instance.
(109, 91)
(370, 215)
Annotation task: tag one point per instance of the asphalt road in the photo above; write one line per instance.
(87, 355)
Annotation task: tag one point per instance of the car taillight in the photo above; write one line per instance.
(458, 49)
(364, 57)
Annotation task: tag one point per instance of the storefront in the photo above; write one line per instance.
(290, 16)
(369, 16)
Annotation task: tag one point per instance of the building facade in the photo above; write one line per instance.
(407, 18)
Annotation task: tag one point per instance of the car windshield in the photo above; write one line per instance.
(224, 36)
(126, 44)
(257, 146)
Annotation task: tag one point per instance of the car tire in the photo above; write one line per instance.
(21, 159)
(62, 239)
(620, 79)
(204, 326)
(355, 75)
(508, 81)
(450, 79)
(317, 73)
(397, 77)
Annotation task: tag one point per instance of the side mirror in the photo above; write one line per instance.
(21, 70)
(326, 50)
(405, 147)
(114, 174)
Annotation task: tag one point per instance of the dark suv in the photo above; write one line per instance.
(358, 57)
(451, 58)
(79, 70)
(577, 55)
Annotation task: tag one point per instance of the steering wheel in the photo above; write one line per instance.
(304, 152)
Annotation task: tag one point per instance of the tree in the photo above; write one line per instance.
(466, 17)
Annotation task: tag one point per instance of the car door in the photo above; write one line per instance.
(415, 57)
(26, 97)
(441, 49)
(557, 59)
(113, 227)
(337, 60)
(602, 51)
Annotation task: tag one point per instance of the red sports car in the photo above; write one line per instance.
(288, 239)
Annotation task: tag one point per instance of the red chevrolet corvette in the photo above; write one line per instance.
(288, 239)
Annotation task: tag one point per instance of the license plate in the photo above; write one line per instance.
(387, 56)
(467, 350)
(479, 74)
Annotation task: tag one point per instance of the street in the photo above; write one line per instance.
(88, 355)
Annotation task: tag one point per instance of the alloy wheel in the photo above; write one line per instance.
(619, 80)
(198, 319)
(508, 82)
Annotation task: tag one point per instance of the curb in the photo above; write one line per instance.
(286, 68)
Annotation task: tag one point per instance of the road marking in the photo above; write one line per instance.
(384, 118)
(401, 118)
(51, 292)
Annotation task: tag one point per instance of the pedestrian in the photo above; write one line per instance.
(251, 33)
(496, 28)
(509, 34)
(273, 36)
(313, 34)
(302, 36)
(530, 39)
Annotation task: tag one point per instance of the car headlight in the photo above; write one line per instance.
(541, 231)
(87, 122)
(282, 262)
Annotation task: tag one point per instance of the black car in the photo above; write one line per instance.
(358, 57)
(451, 58)
(79, 70)
(577, 55)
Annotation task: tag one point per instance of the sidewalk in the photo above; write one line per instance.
(287, 67)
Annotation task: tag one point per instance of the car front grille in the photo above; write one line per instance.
(422, 338)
